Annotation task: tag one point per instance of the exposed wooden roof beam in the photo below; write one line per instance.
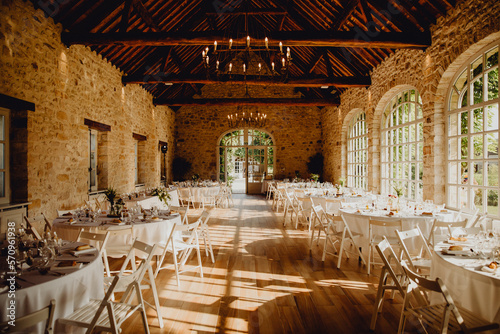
(357, 39)
(342, 82)
(125, 16)
(251, 12)
(247, 102)
(145, 15)
(345, 14)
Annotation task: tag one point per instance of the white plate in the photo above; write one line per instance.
(488, 270)
(457, 252)
(66, 269)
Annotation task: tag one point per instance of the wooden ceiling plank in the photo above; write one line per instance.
(366, 12)
(315, 62)
(248, 102)
(96, 15)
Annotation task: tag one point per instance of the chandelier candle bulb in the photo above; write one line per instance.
(288, 53)
(203, 54)
(281, 47)
(272, 65)
(266, 41)
(207, 60)
(260, 67)
(217, 65)
(248, 41)
(230, 43)
(244, 68)
(230, 66)
(206, 49)
(215, 46)
(283, 61)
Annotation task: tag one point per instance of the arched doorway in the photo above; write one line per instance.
(246, 159)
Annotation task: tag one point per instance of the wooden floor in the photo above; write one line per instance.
(265, 280)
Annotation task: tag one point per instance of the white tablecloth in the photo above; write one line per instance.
(474, 290)
(198, 192)
(149, 232)
(151, 201)
(359, 222)
(70, 292)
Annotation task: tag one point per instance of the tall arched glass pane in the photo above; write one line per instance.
(402, 145)
(357, 152)
(473, 132)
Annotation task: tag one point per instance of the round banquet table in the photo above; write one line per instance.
(198, 192)
(359, 222)
(149, 231)
(70, 291)
(149, 202)
(469, 286)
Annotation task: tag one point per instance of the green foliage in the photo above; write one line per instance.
(110, 194)
(162, 194)
(180, 167)
(195, 177)
(315, 164)
(315, 177)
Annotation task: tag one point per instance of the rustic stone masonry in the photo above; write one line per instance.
(456, 37)
(296, 130)
(67, 86)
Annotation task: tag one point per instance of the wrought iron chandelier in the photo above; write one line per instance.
(244, 118)
(218, 61)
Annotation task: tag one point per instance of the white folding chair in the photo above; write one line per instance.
(98, 239)
(25, 322)
(118, 245)
(420, 256)
(180, 249)
(392, 278)
(337, 228)
(183, 211)
(146, 277)
(443, 317)
(185, 196)
(377, 229)
(209, 196)
(204, 233)
(319, 222)
(108, 315)
(33, 224)
(440, 225)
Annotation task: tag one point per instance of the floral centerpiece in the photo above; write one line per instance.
(315, 177)
(111, 195)
(162, 194)
(195, 177)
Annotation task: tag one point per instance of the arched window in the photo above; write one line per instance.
(357, 152)
(473, 131)
(402, 145)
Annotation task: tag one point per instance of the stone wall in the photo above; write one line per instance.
(67, 86)
(455, 37)
(296, 130)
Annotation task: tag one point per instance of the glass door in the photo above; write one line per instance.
(256, 166)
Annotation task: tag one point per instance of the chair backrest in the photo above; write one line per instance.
(417, 283)
(147, 252)
(32, 225)
(99, 238)
(375, 224)
(438, 224)
(182, 210)
(319, 214)
(188, 231)
(27, 321)
(418, 239)
(63, 212)
(391, 265)
(204, 217)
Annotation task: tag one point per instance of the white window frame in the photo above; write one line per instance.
(400, 151)
(95, 133)
(357, 152)
(466, 188)
(6, 156)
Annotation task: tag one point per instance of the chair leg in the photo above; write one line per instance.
(369, 258)
(199, 260)
(379, 300)
(176, 265)
(155, 297)
(341, 249)
(210, 248)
